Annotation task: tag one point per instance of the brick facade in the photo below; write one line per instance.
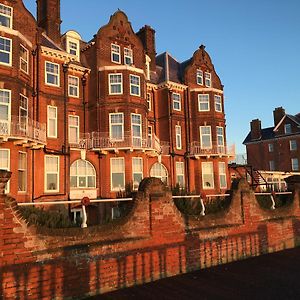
(55, 60)
(275, 148)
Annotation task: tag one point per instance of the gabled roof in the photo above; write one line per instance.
(295, 119)
(266, 134)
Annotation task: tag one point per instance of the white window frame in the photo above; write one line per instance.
(220, 135)
(52, 73)
(7, 168)
(128, 54)
(222, 174)
(73, 86)
(52, 172)
(113, 51)
(271, 147)
(76, 141)
(10, 17)
(295, 164)
(23, 108)
(293, 145)
(136, 140)
(178, 137)
(272, 165)
(199, 77)
(69, 48)
(121, 188)
(24, 61)
(203, 99)
(2, 121)
(176, 100)
(211, 175)
(180, 173)
(205, 134)
(85, 174)
(138, 86)
(22, 171)
(48, 121)
(157, 170)
(287, 128)
(110, 76)
(218, 103)
(149, 101)
(7, 52)
(116, 124)
(207, 79)
(137, 171)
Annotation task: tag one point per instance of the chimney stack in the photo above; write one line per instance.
(147, 36)
(278, 114)
(48, 18)
(255, 126)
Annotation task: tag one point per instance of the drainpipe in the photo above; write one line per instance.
(83, 81)
(187, 117)
(65, 151)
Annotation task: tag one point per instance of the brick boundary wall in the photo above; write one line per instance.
(154, 241)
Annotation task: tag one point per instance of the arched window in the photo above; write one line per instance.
(158, 170)
(82, 174)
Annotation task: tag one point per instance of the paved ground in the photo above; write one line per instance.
(272, 276)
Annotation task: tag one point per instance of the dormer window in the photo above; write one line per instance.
(287, 128)
(115, 53)
(128, 56)
(73, 48)
(199, 77)
(72, 42)
(207, 79)
(6, 16)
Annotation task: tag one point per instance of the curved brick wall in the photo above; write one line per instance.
(153, 242)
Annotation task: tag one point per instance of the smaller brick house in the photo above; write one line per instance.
(275, 148)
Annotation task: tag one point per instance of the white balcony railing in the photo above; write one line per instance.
(196, 149)
(24, 129)
(102, 142)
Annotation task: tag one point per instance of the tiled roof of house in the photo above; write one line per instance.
(266, 134)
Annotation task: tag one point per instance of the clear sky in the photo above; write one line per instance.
(254, 45)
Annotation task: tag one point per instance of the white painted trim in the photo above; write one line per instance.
(172, 85)
(9, 109)
(122, 68)
(224, 174)
(58, 74)
(142, 172)
(109, 83)
(45, 176)
(213, 177)
(11, 17)
(26, 61)
(111, 186)
(7, 190)
(210, 147)
(223, 136)
(199, 70)
(207, 90)
(112, 52)
(128, 56)
(110, 131)
(77, 127)
(75, 41)
(208, 108)
(48, 135)
(178, 146)
(26, 171)
(219, 96)
(141, 125)
(73, 96)
(139, 85)
(176, 109)
(210, 79)
(9, 64)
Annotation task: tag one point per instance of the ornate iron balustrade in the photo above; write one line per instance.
(196, 149)
(23, 128)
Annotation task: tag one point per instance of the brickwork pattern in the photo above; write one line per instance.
(154, 241)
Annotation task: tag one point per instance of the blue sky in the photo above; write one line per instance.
(254, 45)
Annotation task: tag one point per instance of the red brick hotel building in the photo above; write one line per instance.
(91, 118)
